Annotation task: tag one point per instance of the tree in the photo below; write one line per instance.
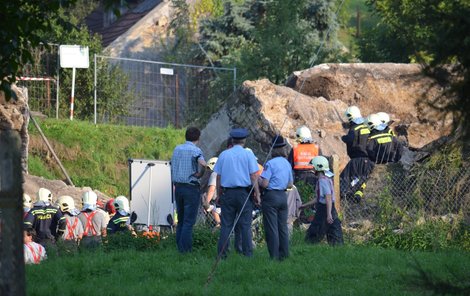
(436, 32)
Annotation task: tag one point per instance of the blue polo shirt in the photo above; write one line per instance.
(184, 162)
(324, 187)
(278, 172)
(235, 165)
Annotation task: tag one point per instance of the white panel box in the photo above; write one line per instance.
(151, 192)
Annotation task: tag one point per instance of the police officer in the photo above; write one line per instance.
(236, 171)
(276, 178)
(120, 221)
(354, 176)
(382, 146)
(45, 219)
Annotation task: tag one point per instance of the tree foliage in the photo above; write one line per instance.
(435, 33)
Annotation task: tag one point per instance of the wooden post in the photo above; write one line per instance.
(12, 271)
(336, 183)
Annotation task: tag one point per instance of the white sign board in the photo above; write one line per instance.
(151, 191)
(74, 56)
(166, 71)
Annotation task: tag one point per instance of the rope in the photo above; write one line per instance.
(219, 257)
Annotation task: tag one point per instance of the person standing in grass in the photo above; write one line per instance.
(236, 171)
(326, 219)
(187, 166)
(276, 178)
(94, 222)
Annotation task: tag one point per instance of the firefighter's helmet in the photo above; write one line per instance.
(303, 134)
(211, 163)
(320, 163)
(373, 121)
(121, 203)
(353, 113)
(89, 198)
(109, 207)
(44, 195)
(27, 201)
(384, 117)
(66, 203)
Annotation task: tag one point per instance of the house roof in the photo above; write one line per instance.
(95, 21)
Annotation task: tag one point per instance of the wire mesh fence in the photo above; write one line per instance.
(42, 80)
(159, 94)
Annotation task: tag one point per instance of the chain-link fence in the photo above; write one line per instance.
(42, 80)
(159, 94)
(393, 193)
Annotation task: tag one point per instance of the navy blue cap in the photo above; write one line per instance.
(278, 141)
(239, 133)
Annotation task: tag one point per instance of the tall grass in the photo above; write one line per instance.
(310, 270)
(96, 155)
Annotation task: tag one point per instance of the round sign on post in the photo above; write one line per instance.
(73, 56)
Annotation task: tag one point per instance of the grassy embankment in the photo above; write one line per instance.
(96, 156)
(310, 270)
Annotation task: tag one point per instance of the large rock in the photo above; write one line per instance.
(325, 92)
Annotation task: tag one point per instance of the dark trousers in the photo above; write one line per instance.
(232, 201)
(354, 176)
(274, 205)
(319, 227)
(187, 205)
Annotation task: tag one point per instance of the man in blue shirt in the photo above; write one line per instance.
(236, 171)
(187, 166)
(276, 178)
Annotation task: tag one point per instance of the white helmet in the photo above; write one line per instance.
(303, 134)
(27, 201)
(211, 163)
(121, 203)
(44, 195)
(320, 163)
(89, 198)
(384, 117)
(353, 114)
(66, 203)
(373, 121)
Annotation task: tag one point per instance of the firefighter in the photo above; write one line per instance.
(382, 147)
(27, 204)
(210, 196)
(326, 220)
(385, 119)
(74, 227)
(120, 220)
(354, 176)
(109, 208)
(93, 221)
(47, 221)
(301, 154)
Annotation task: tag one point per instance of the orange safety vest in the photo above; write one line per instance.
(303, 154)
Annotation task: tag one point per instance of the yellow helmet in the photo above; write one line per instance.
(27, 201)
(66, 203)
(44, 195)
(121, 203)
(211, 163)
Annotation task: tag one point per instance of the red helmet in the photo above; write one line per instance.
(109, 207)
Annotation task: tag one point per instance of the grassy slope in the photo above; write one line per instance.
(311, 270)
(96, 156)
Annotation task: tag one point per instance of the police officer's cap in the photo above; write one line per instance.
(239, 133)
(278, 141)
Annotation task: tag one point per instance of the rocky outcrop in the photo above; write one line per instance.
(319, 96)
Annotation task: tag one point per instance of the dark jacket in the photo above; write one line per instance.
(46, 220)
(383, 147)
(356, 140)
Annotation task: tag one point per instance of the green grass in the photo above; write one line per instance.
(310, 270)
(96, 155)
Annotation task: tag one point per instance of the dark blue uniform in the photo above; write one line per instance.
(118, 223)
(383, 147)
(47, 221)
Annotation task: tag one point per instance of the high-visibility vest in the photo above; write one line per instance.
(303, 154)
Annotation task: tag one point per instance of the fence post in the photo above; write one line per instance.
(336, 183)
(12, 278)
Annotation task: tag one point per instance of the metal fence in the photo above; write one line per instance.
(157, 93)
(42, 80)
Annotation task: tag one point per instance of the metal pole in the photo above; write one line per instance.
(234, 79)
(94, 88)
(69, 181)
(58, 86)
(73, 94)
(150, 165)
